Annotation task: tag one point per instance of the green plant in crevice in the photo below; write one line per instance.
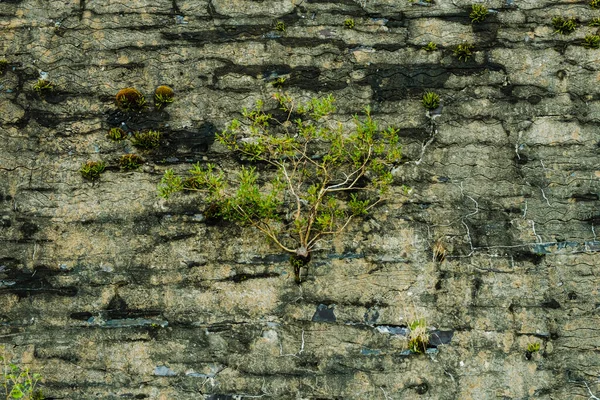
(418, 337)
(533, 347)
(116, 134)
(349, 23)
(91, 170)
(595, 3)
(591, 41)
(279, 82)
(130, 99)
(146, 139)
(130, 161)
(564, 26)
(595, 22)
(464, 51)
(431, 46)
(306, 176)
(478, 13)
(19, 382)
(43, 85)
(279, 26)
(162, 96)
(431, 100)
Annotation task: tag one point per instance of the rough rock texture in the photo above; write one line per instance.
(112, 293)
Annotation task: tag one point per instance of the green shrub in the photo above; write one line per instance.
(349, 23)
(130, 161)
(19, 382)
(533, 347)
(591, 41)
(146, 140)
(595, 3)
(279, 26)
(43, 85)
(3, 66)
(130, 99)
(319, 176)
(430, 47)
(464, 51)
(478, 13)
(91, 170)
(431, 100)
(116, 134)
(162, 96)
(564, 26)
(418, 337)
(595, 22)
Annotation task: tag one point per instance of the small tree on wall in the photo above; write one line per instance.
(321, 174)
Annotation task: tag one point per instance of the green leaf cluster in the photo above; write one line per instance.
(564, 26)
(19, 382)
(146, 140)
(309, 174)
(464, 51)
(91, 170)
(479, 13)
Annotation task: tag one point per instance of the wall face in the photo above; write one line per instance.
(111, 292)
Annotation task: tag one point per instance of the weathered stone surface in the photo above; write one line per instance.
(110, 292)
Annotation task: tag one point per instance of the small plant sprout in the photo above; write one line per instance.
(439, 251)
(431, 101)
(305, 178)
(91, 170)
(430, 47)
(595, 3)
(478, 13)
(19, 382)
(130, 161)
(162, 96)
(564, 26)
(349, 23)
(43, 86)
(280, 26)
(418, 337)
(595, 22)
(279, 82)
(116, 134)
(130, 99)
(146, 140)
(464, 51)
(591, 41)
(533, 347)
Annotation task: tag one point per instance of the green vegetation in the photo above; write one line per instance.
(431, 101)
(130, 161)
(595, 22)
(116, 134)
(349, 23)
(19, 382)
(280, 26)
(130, 99)
(418, 338)
(595, 3)
(279, 82)
(533, 347)
(464, 51)
(430, 47)
(478, 13)
(304, 180)
(162, 96)
(91, 170)
(146, 140)
(43, 86)
(591, 42)
(564, 26)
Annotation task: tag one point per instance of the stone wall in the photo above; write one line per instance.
(112, 293)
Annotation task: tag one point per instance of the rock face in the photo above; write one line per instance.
(110, 292)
